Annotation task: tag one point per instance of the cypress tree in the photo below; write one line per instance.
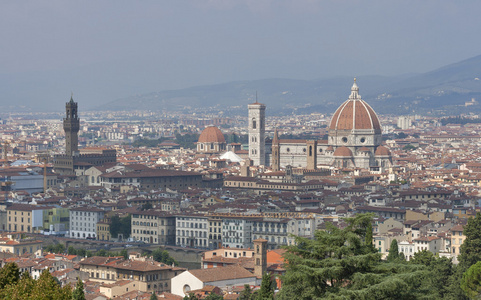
(393, 252)
(78, 292)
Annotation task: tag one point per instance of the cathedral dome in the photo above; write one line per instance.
(343, 151)
(211, 134)
(355, 113)
(364, 149)
(382, 151)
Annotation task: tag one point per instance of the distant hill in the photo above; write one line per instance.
(277, 94)
(442, 91)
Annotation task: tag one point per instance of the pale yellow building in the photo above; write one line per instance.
(457, 239)
(15, 243)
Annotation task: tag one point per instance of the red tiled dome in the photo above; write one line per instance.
(382, 151)
(355, 113)
(364, 149)
(211, 134)
(343, 151)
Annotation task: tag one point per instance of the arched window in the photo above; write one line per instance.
(254, 123)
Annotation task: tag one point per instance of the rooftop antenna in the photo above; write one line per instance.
(256, 97)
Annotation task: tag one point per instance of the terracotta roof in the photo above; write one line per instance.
(211, 134)
(140, 266)
(382, 151)
(343, 151)
(457, 228)
(218, 274)
(355, 114)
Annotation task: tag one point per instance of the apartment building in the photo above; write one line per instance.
(25, 217)
(215, 232)
(237, 232)
(153, 227)
(192, 231)
(83, 222)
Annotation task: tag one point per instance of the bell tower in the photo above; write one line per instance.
(260, 257)
(276, 157)
(71, 126)
(311, 154)
(257, 143)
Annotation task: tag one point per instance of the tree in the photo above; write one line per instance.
(246, 294)
(20, 290)
(471, 282)
(266, 291)
(423, 257)
(120, 226)
(9, 275)
(125, 254)
(47, 288)
(191, 296)
(59, 248)
(163, 256)
(440, 272)
(393, 251)
(81, 252)
(339, 264)
(71, 250)
(470, 252)
(78, 293)
(213, 296)
(153, 296)
(369, 235)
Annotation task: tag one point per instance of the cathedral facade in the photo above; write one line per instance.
(354, 141)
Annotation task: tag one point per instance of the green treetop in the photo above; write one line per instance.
(341, 264)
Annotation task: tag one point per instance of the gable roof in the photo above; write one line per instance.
(224, 273)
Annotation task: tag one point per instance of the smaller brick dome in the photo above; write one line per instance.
(382, 151)
(211, 134)
(364, 149)
(343, 151)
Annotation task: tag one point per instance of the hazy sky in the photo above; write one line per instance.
(103, 50)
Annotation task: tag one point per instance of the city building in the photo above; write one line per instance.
(83, 222)
(236, 232)
(457, 239)
(191, 280)
(15, 243)
(153, 227)
(75, 160)
(192, 231)
(151, 179)
(25, 217)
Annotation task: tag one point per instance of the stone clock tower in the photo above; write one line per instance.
(71, 126)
